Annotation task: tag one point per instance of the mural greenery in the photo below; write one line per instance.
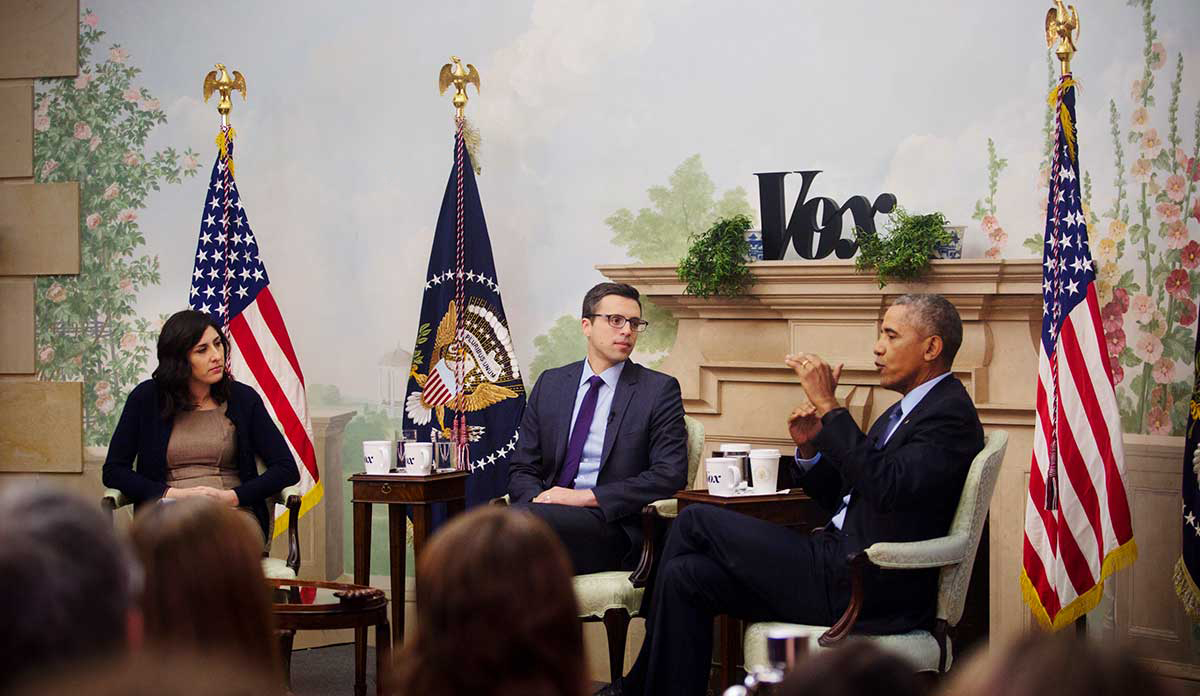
(1145, 244)
(93, 129)
(686, 206)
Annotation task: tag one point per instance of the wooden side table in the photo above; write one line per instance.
(791, 509)
(397, 491)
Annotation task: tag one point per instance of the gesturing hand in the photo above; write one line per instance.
(803, 426)
(817, 378)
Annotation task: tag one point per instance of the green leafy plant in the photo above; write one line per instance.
(715, 263)
(905, 252)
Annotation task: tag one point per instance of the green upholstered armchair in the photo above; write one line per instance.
(272, 567)
(615, 596)
(953, 553)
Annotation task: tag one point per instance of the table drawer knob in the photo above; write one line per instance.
(386, 488)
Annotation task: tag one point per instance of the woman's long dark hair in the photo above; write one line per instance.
(179, 335)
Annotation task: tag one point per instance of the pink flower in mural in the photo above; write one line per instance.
(83, 80)
(1118, 372)
(150, 105)
(131, 159)
(117, 54)
(125, 285)
(1176, 187)
(1181, 157)
(1157, 422)
(993, 252)
(91, 19)
(1117, 229)
(1115, 340)
(105, 404)
(102, 387)
(56, 293)
(127, 215)
(1140, 171)
(48, 167)
(93, 221)
(41, 123)
(1158, 55)
(1139, 118)
(1148, 347)
(1169, 212)
(1187, 312)
(190, 163)
(132, 94)
(1142, 307)
(998, 236)
(111, 192)
(1196, 209)
(1178, 284)
(1159, 322)
(989, 223)
(129, 341)
(83, 131)
(1151, 143)
(46, 354)
(1189, 255)
(1135, 92)
(94, 143)
(1177, 235)
(1121, 297)
(1164, 370)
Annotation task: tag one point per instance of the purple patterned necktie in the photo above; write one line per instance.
(579, 433)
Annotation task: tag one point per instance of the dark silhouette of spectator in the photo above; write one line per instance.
(857, 668)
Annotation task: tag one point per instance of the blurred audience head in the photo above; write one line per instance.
(204, 586)
(1067, 664)
(69, 585)
(857, 668)
(155, 673)
(496, 612)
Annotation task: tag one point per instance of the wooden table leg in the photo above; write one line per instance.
(396, 543)
(422, 524)
(362, 576)
(454, 507)
(383, 653)
(726, 669)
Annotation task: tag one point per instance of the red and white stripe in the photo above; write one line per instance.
(263, 358)
(1068, 552)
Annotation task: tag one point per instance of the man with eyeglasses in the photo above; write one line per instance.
(600, 439)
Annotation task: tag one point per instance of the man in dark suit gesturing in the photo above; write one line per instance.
(900, 481)
(600, 439)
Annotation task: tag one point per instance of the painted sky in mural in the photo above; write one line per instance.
(345, 145)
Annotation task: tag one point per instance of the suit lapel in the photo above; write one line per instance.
(626, 387)
(564, 408)
(933, 395)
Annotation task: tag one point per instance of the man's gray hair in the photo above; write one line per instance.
(936, 316)
(69, 581)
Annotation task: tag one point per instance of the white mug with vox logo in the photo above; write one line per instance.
(378, 456)
(723, 475)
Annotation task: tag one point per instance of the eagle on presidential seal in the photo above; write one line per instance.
(490, 372)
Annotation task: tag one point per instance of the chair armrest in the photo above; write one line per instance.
(656, 517)
(293, 507)
(859, 563)
(930, 553)
(112, 500)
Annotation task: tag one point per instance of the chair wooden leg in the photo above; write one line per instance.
(616, 625)
(286, 638)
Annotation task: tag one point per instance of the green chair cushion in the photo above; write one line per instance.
(599, 592)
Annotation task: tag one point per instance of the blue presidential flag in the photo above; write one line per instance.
(1187, 568)
(464, 381)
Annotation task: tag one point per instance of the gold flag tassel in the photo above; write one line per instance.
(1056, 99)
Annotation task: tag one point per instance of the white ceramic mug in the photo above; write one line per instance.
(418, 458)
(765, 465)
(378, 456)
(723, 475)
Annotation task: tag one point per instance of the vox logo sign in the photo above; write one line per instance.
(818, 218)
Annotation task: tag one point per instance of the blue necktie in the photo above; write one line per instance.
(894, 416)
(579, 433)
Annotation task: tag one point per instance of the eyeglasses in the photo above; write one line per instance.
(619, 320)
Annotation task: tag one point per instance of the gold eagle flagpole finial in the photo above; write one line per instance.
(1062, 24)
(219, 81)
(453, 73)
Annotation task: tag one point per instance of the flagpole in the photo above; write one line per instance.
(219, 80)
(454, 74)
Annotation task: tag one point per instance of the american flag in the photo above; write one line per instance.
(1077, 527)
(229, 282)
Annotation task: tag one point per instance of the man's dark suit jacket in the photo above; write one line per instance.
(907, 491)
(143, 435)
(644, 457)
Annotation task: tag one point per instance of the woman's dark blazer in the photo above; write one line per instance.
(143, 434)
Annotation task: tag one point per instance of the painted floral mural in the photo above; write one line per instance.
(93, 129)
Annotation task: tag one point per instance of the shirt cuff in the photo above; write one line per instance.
(805, 464)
